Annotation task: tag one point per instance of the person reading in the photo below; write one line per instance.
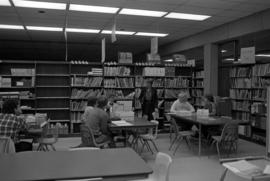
(182, 104)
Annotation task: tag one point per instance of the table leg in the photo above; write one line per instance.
(222, 178)
(200, 139)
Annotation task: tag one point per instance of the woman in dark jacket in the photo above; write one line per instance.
(149, 100)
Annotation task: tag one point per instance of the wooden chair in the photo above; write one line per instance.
(88, 139)
(150, 137)
(45, 142)
(180, 135)
(228, 138)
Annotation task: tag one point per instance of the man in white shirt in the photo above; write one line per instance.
(182, 104)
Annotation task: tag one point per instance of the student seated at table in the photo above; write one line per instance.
(182, 104)
(11, 123)
(208, 102)
(97, 119)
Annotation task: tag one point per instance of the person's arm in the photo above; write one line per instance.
(23, 125)
(173, 107)
(191, 108)
(104, 123)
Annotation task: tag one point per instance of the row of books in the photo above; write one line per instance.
(241, 105)
(245, 116)
(244, 130)
(197, 92)
(119, 83)
(85, 94)
(22, 82)
(154, 71)
(199, 74)
(169, 71)
(197, 83)
(260, 70)
(172, 93)
(141, 82)
(76, 116)
(259, 82)
(22, 72)
(78, 106)
(240, 72)
(117, 71)
(118, 94)
(260, 94)
(96, 72)
(177, 82)
(240, 94)
(241, 83)
(86, 81)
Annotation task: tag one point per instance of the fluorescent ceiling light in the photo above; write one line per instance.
(96, 9)
(79, 30)
(140, 12)
(5, 3)
(263, 55)
(168, 60)
(43, 28)
(196, 17)
(118, 32)
(13, 27)
(39, 4)
(151, 34)
(223, 51)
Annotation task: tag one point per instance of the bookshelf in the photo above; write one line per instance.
(197, 87)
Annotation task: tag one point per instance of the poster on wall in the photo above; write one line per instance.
(247, 55)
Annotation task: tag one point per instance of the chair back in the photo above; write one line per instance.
(229, 132)
(6, 145)
(83, 148)
(175, 126)
(87, 136)
(154, 131)
(55, 131)
(162, 167)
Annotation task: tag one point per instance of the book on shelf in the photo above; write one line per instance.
(86, 81)
(259, 95)
(85, 94)
(240, 72)
(177, 82)
(241, 105)
(26, 95)
(154, 71)
(22, 72)
(240, 94)
(76, 117)
(172, 93)
(5, 82)
(141, 82)
(199, 74)
(118, 94)
(244, 130)
(260, 70)
(258, 82)
(245, 116)
(197, 83)
(119, 83)
(169, 71)
(197, 92)
(241, 83)
(96, 71)
(117, 71)
(78, 106)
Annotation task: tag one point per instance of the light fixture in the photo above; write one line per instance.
(118, 32)
(95, 9)
(39, 4)
(5, 3)
(13, 27)
(231, 59)
(263, 55)
(140, 12)
(223, 51)
(168, 60)
(195, 17)
(79, 30)
(44, 28)
(151, 34)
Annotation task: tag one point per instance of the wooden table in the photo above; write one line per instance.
(110, 164)
(201, 120)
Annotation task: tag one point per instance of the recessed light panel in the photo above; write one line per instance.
(13, 27)
(5, 3)
(95, 9)
(118, 32)
(140, 12)
(44, 28)
(195, 17)
(39, 4)
(151, 34)
(263, 55)
(79, 30)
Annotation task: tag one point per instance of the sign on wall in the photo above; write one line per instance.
(247, 55)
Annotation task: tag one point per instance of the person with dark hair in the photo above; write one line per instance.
(97, 119)
(149, 100)
(92, 101)
(11, 124)
(208, 101)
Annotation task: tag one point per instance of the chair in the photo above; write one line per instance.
(6, 145)
(46, 142)
(180, 135)
(83, 148)
(161, 168)
(88, 139)
(150, 137)
(228, 138)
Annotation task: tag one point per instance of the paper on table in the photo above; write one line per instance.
(121, 123)
(243, 167)
(267, 170)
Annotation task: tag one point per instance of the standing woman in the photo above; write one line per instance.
(149, 100)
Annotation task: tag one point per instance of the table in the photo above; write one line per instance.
(110, 164)
(138, 123)
(201, 120)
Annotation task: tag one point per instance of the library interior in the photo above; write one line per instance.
(147, 90)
